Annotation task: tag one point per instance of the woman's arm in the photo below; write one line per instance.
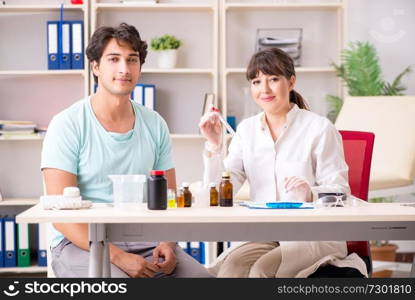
(213, 154)
(215, 164)
(331, 170)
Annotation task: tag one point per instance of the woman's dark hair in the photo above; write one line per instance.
(124, 32)
(273, 61)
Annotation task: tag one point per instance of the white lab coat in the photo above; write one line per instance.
(309, 146)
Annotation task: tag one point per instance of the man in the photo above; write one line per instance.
(104, 134)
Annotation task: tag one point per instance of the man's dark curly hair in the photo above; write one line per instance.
(124, 32)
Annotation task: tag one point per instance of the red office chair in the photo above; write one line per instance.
(358, 148)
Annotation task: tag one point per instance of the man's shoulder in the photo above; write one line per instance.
(71, 118)
(148, 116)
(72, 112)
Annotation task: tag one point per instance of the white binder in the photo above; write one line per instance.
(150, 96)
(138, 94)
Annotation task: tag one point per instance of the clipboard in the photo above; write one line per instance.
(278, 205)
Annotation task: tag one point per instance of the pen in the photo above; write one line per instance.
(226, 124)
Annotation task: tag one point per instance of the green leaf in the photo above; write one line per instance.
(335, 104)
(361, 70)
(396, 88)
(362, 75)
(165, 42)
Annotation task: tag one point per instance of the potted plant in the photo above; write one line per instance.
(361, 73)
(167, 46)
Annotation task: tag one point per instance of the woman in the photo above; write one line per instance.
(285, 151)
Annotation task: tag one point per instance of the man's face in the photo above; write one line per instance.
(119, 68)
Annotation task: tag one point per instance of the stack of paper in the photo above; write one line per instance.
(8, 128)
(286, 39)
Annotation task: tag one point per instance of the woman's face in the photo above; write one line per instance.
(272, 92)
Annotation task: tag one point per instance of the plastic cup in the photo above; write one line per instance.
(127, 189)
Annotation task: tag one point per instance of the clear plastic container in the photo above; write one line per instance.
(128, 189)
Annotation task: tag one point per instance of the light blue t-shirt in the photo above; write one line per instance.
(77, 143)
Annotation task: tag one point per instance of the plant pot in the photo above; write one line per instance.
(167, 59)
(384, 253)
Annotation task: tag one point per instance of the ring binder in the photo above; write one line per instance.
(65, 62)
(10, 242)
(53, 45)
(77, 44)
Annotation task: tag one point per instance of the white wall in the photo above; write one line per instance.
(390, 26)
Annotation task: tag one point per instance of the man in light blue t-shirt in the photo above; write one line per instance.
(105, 134)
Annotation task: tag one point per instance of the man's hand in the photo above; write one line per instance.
(135, 265)
(166, 251)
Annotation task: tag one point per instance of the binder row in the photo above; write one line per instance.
(195, 250)
(65, 45)
(14, 243)
(145, 94)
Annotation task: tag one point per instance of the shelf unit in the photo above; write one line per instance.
(218, 41)
(113, 12)
(155, 6)
(19, 202)
(37, 8)
(24, 270)
(21, 138)
(13, 206)
(273, 5)
(33, 93)
(41, 72)
(52, 10)
(266, 14)
(40, 138)
(180, 91)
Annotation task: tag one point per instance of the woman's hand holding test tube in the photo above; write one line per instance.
(211, 128)
(222, 120)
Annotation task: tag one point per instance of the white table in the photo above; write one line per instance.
(374, 221)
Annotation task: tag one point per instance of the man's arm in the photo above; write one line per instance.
(134, 265)
(55, 182)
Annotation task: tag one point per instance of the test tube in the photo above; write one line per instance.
(223, 121)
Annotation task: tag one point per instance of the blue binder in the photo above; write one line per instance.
(65, 45)
(10, 242)
(41, 251)
(53, 35)
(77, 43)
(1, 242)
(202, 251)
(195, 250)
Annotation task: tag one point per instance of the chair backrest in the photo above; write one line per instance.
(391, 119)
(358, 148)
